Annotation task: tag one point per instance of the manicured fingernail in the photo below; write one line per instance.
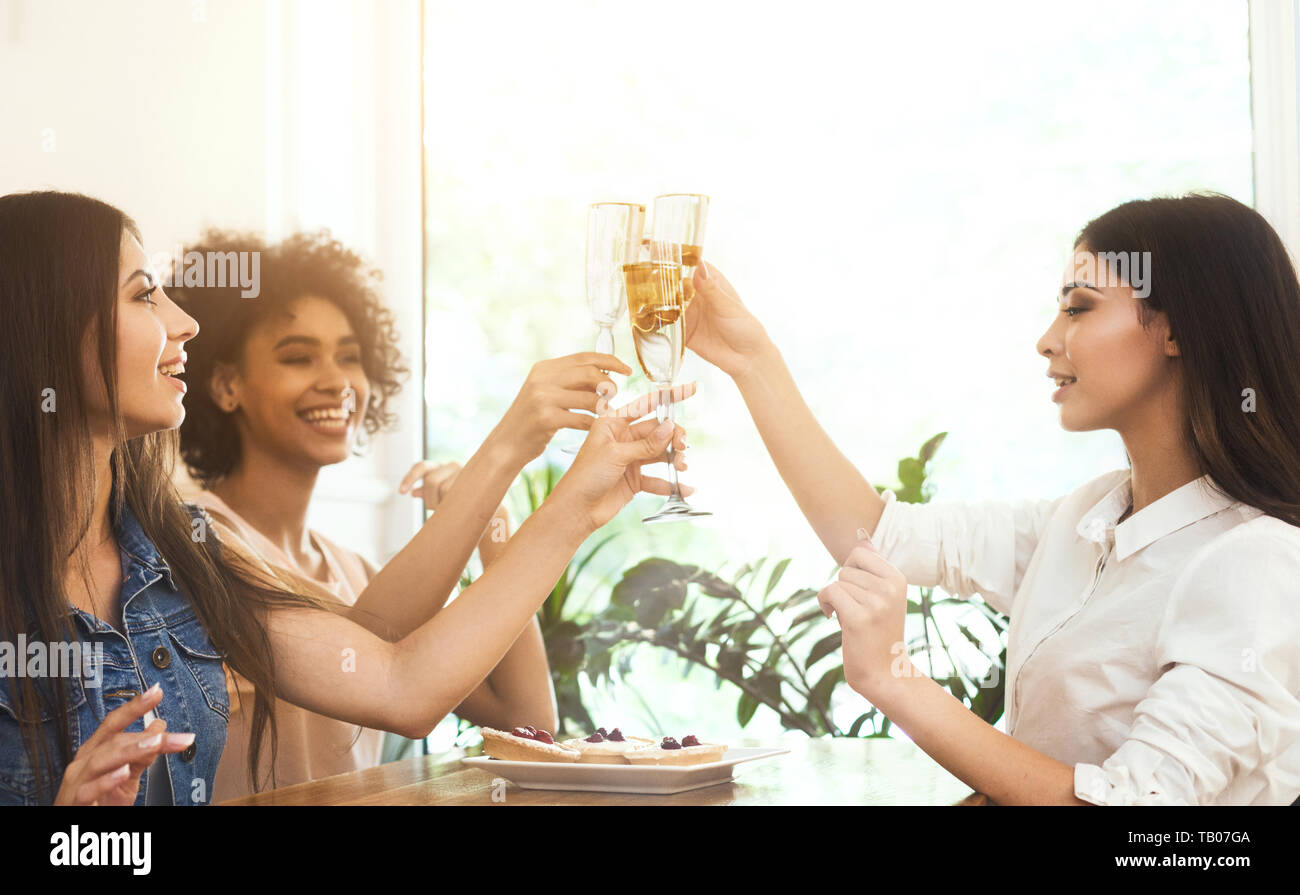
(120, 772)
(151, 743)
(180, 739)
(156, 688)
(862, 534)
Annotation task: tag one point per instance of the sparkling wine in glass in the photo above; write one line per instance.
(655, 306)
(680, 218)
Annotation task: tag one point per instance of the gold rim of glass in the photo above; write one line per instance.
(622, 204)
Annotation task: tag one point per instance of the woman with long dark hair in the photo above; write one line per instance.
(98, 551)
(1154, 651)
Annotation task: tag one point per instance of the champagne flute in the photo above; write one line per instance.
(613, 239)
(680, 218)
(655, 306)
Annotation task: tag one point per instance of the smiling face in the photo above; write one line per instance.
(299, 390)
(1121, 371)
(151, 333)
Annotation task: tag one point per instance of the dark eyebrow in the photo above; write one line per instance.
(144, 273)
(1065, 290)
(312, 342)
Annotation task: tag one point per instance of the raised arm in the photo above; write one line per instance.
(330, 665)
(518, 691)
(416, 582)
(836, 499)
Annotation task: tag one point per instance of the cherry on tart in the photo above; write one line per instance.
(605, 746)
(671, 752)
(525, 743)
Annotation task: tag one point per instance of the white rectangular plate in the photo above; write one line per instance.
(619, 777)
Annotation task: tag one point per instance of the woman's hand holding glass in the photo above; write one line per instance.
(719, 328)
(606, 473)
(550, 398)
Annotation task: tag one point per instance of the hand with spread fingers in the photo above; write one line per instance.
(550, 398)
(869, 598)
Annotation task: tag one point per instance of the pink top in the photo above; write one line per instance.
(311, 746)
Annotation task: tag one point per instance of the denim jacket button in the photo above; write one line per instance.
(162, 657)
(190, 750)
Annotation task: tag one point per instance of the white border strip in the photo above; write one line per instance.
(1274, 91)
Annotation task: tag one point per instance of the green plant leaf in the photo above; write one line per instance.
(824, 647)
(745, 708)
(582, 564)
(714, 586)
(821, 691)
(715, 624)
(598, 665)
(910, 472)
(776, 576)
(564, 651)
(859, 721)
(809, 615)
(970, 635)
(619, 613)
(929, 449)
(769, 683)
(650, 575)
(800, 596)
(730, 663)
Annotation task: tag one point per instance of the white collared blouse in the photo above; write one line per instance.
(1160, 656)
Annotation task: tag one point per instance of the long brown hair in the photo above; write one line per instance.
(59, 265)
(1229, 288)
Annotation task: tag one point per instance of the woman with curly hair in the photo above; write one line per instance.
(284, 381)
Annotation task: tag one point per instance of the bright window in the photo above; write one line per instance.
(894, 191)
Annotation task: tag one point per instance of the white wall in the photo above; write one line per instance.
(272, 116)
(1275, 113)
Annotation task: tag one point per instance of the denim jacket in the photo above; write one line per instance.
(163, 642)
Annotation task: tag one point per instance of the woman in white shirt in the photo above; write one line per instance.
(1154, 644)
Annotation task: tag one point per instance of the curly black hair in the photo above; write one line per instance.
(303, 264)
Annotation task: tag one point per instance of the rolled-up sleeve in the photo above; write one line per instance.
(964, 548)
(1226, 705)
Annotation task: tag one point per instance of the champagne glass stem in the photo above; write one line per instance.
(665, 412)
(605, 339)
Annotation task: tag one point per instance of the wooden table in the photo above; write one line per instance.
(815, 772)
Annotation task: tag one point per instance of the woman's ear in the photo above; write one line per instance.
(1168, 342)
(224, 387)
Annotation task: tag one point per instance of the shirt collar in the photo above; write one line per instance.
(1177, 509)
(135, 545)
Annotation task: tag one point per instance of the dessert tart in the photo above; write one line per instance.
(606, 747)
(525, 744)
(670, 752)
